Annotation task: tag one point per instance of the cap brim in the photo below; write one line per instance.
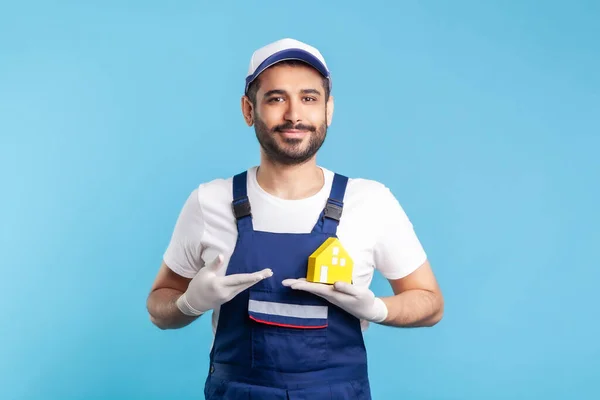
(289, 54)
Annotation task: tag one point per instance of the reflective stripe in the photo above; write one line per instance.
(287, 310)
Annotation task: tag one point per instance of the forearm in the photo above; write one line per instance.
(163, 309)
(414, 308)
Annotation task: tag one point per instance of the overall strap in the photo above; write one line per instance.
(330, 217)
(241, 204)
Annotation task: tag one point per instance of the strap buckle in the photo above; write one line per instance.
(241, 207)
(333, 210)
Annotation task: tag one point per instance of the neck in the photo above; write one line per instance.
(290, 182)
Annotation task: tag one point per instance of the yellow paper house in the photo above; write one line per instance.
(330, 263)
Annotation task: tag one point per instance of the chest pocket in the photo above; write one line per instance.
(289, 330)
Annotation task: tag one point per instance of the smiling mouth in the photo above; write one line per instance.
(296, 133)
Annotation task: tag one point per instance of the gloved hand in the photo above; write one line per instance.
(207, 290)
(358, 301)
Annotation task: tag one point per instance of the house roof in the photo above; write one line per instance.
(325, 245)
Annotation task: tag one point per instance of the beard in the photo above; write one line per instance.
(292, 152)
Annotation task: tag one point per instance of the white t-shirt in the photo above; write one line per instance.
(374, 228)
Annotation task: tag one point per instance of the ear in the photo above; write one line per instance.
(247, 110)
(329, 110)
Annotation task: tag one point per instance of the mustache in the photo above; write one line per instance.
(300, 127)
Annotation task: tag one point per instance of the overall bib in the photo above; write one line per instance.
(273, 342)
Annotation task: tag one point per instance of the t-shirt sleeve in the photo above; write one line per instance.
(183, 254)
(398, 250)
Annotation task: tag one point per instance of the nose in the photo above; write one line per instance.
(292, 113)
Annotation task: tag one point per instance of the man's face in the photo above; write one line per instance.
(290, 114)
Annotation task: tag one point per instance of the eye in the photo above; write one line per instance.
(275, 99)
(310, 99)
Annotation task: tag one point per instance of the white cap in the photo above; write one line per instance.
(285, 49)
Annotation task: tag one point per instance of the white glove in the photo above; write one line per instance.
(358, 301)
(207, 290)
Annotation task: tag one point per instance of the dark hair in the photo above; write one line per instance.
(255, 85)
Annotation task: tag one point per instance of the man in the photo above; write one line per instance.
(241, 247)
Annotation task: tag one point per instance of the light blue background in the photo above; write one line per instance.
(482, 117)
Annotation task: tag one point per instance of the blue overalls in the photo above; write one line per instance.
(273, 342)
